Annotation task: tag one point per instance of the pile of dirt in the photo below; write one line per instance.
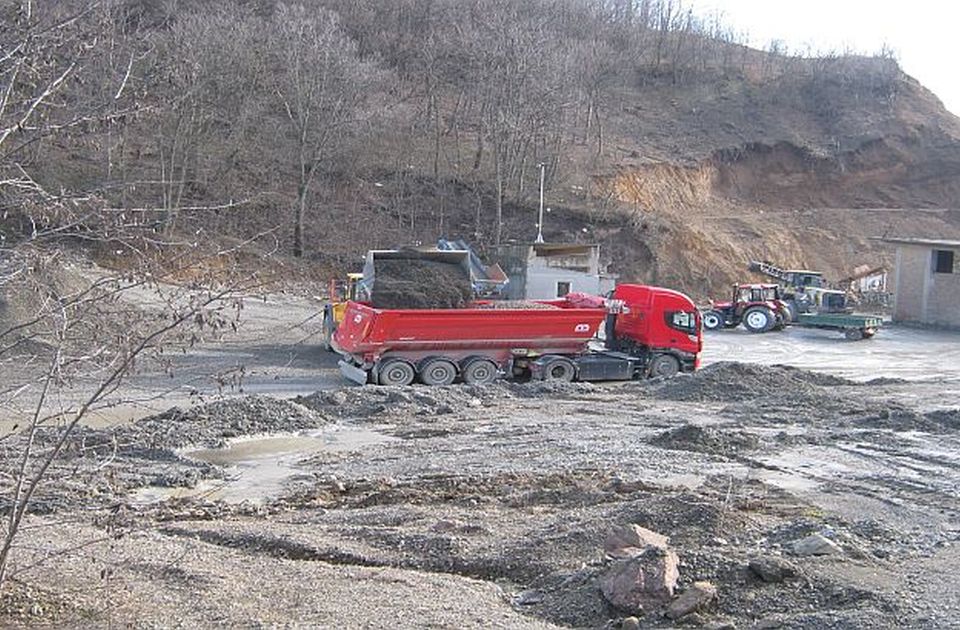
(212, 424)
(735, 382)
(420, 284)
(397, 402)
(711, 440)
(898, 418)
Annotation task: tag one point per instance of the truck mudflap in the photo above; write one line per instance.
(352, 372)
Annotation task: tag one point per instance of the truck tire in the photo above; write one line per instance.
(759, 319)
(558, 369)
(479, 372)
(853, 334)
(437, 372)
(664, 365)
(712, 320)
(396, 372)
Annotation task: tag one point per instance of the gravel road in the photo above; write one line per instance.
(324, 504)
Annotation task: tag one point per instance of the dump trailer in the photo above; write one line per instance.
(649, 331)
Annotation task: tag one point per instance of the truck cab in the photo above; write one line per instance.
(659, 323)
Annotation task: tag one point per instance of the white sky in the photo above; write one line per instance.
(925, 34)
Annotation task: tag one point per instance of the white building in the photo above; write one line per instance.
(541, 271)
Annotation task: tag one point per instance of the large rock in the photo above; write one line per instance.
(815, 545)
(640, 582)
(691, 600)
(632, 540)
(772, 569)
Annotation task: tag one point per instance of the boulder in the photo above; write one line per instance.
(643, 581)
(691, 600)
(772, 569)
(815, 545)
(632, 540)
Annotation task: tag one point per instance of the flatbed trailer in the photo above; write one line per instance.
(854, 327)
(650, 331)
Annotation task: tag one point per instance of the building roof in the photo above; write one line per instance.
(928, 242)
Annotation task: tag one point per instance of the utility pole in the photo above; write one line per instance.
(543, 171)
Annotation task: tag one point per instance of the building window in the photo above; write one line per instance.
(562, 289)
(943, 261)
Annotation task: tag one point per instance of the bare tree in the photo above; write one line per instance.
(67, 346)
(321, 85)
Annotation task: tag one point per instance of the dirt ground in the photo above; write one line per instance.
(321, 504)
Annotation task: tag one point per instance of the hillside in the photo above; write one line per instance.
(335, 126)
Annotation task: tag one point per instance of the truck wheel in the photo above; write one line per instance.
(712, 320)
(559, 369)
(438, 372)
(758, 319)
(664, 365)
(853, 334)
(396, 372)
(479, 372)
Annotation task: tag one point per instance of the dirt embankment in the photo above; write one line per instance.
(781, 202)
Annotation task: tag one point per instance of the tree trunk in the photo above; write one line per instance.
(499, 229)
(298, 213)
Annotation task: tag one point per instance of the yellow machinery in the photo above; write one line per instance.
(340, 292)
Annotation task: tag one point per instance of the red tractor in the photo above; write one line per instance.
(759, 307)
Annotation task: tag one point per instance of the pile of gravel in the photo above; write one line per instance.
(711, 440)
(735, 382)
(211, 425)
(420, 284)
(380, 402)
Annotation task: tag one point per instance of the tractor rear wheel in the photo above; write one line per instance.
(664, 365)
(759, 319)
(396, 372)
(479, 372)
(713, 320)
(438, 372)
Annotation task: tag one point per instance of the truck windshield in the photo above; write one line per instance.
(682, 320)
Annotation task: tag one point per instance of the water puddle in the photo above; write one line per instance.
(258, 468)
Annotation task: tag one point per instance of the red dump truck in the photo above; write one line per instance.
(649, 331)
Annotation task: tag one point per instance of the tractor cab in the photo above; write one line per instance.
(746, 294)
(827, 300)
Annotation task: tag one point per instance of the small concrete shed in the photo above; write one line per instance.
(927, 282)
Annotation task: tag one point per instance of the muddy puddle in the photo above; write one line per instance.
(258, 468)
